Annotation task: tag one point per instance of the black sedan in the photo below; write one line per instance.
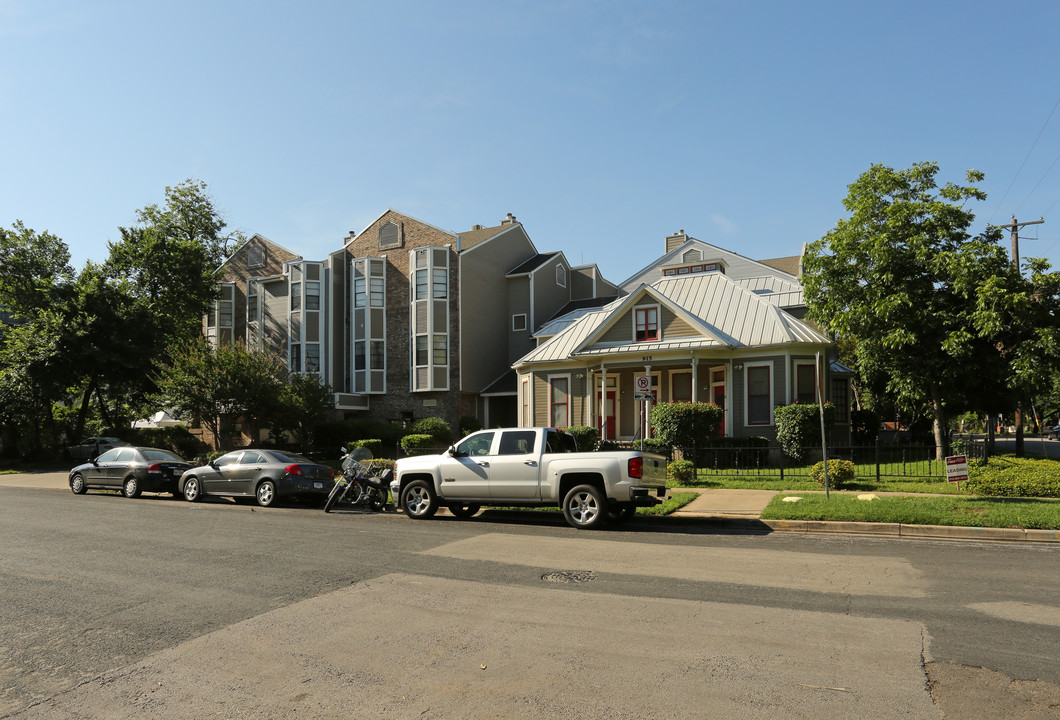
(265, 475)
(132, 470)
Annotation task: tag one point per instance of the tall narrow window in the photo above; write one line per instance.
(647, 323)
(296, 296)
(312, 357)
(312, 295)
(429, 318)
(559, 401)
(368, 326)
(805, 383)
(759, 395)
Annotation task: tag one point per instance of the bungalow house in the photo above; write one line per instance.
(702, 324)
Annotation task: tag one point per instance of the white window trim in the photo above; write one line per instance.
(658, 322)
(570, 396)
(515, 326)
(746, 393)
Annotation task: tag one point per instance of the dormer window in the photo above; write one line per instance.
(646, 323)
(693, 269)
(561, 276)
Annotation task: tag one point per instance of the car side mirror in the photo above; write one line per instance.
(453, 452)
(212, 464)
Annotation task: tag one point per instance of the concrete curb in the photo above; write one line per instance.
(938, 532)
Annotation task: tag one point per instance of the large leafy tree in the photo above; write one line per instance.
(901, 278)
(209, 384)
(304, 405)
(32, 267)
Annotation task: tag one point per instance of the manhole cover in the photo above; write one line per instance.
(569, 576)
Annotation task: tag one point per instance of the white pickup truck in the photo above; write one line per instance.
(530, 467)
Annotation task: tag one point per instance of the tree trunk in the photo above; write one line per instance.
(82, 412)
(942, 435)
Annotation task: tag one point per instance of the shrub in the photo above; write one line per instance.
(437, 428)
(682, 471)
(371, 445)
(686, 425)
(799, 427)
(382, 464)
(417, 441)
(840, 473)
(1016, 477)
(469, 424)
(585, 436)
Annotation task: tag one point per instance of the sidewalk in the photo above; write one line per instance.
(749, 504)
(726, 506)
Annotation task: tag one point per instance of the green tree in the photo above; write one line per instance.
(685, 425)
(208, 384)
(899, 279)
(304, 404)
(32, 266)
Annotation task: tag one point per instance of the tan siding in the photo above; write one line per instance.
(541, 408)
(674, 326)
(622, 331)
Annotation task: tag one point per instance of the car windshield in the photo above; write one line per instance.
(291, 458)
(161, 455)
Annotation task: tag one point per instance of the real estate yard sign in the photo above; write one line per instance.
(957, 469)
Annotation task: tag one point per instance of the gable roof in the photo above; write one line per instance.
(723, 312)
(532, 264)
(248, 241)
(737, 265)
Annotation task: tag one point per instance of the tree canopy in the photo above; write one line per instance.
(934, 314)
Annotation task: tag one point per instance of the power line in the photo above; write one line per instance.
(1020, 206)
(1033, 145)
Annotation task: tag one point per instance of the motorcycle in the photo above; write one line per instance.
(358, 484)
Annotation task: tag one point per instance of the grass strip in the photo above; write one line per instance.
(992, 512)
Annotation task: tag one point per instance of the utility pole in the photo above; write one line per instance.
(1014, 227)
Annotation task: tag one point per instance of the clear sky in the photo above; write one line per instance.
(603, 126)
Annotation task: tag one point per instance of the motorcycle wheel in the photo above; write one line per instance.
(377, 499)
(333, 498)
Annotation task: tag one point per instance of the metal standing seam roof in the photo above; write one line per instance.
(726, 313)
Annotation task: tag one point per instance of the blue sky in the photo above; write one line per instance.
(603, 126)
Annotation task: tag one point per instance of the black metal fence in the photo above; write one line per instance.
(768, 460)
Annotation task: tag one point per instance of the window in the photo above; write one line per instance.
(368, 325)
(255, 256)
(441, 352)
(440, 283)
(421, 350)
(561, 276)
(841, 399)
(647, 323)
(559, 401)
(312, 357)
(421, 285)
(312, 295)
(517, 442)
(759, 395)
(220, 315)
(519, 322)
(805, 383)
(296, 296)
(681, 387)
(477, 444)
(296, 358)
(360, 297)
(389, 235)
(251, 458)
(378, 292)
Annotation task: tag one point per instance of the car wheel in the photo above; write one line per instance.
(131, 488)
(77, 484)
(583, 507)
(266, 494)
(464, 510)
(418, 500)
(192, 490)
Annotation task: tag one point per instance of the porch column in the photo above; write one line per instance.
(602, 416)
(695, 379)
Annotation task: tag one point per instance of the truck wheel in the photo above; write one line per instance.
(418, 500)
(464, 510)
(584, 508)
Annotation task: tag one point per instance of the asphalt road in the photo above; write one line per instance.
(154, 607)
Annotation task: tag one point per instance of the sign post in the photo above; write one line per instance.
(642, 394)
(957, 469)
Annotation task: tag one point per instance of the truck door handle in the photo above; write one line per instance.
(482, 463)
(531, 463)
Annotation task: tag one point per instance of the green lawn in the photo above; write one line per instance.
(1036, 513)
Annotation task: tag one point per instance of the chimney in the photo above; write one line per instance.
(676, 240)
(509, 220)
(476, 227)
